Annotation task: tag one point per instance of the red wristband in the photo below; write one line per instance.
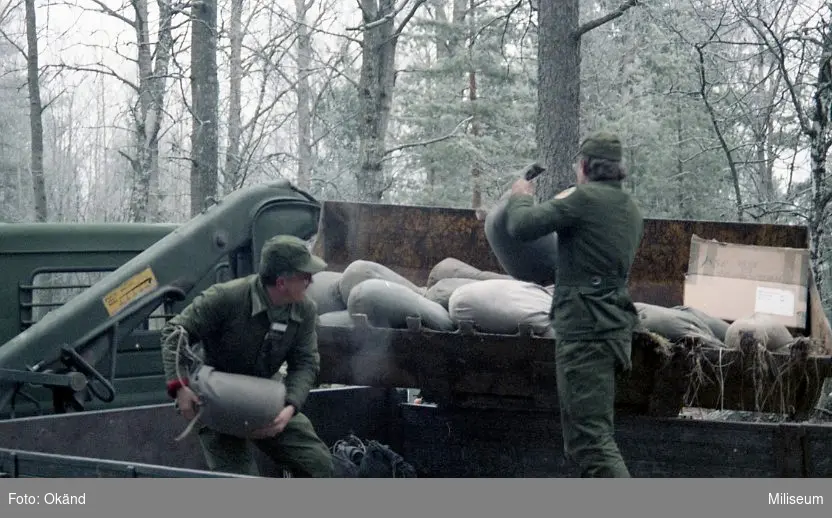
(174, 385)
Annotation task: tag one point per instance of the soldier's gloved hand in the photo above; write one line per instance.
(187, 401)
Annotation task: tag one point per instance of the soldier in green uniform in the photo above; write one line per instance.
(251, 326)
(599, 228)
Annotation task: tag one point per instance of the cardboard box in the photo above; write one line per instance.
(732, 281)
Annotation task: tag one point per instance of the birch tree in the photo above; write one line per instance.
(36, 105)
(15, 190)
(813, 114)
(235, 76)
(205, 101)
(303, 57)
(152, 63)
(35, 113)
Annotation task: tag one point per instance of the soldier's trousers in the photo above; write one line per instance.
(297, 448)
(586, 377)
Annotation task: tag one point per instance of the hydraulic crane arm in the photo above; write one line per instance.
(64, 349)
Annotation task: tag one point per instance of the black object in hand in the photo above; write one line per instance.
(533, 171)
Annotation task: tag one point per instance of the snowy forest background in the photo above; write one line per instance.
(141, 110)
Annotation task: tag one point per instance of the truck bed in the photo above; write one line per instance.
(437, 442)
(33, 464)
(466, 367)
(495, 395)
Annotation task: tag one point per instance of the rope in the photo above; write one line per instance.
(188, 429)
(181, 336)
(721, 384)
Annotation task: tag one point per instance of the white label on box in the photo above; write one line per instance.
(774, 301)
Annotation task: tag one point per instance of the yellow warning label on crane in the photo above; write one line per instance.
(137, 285)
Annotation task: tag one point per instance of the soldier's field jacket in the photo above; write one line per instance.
(241, 332)
(599, 228)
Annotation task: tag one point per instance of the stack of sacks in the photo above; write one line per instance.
(684, 321)
(769, 334)
(388, 304)
(450, 268)
(494, 302)
(326, 292)
(500, 306)
(442, 289)
(360, 271)
(717, 326)
(372, 289)
(498, 303)
(672, 323)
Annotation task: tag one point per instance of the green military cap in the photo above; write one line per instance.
(602, 144)
(289, 254)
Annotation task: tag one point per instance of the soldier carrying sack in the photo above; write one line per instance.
(599, 228)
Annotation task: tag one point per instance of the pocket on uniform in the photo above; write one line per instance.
(279, 343)
(571, 311)
(609, 309)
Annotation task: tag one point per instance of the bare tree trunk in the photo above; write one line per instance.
(559, 94)
(146, 112)
(683, 211)
(761, 127)
(704, 90)
(20, 190)
(476, 170)
(375, 91)
(762, 148)
(821, 140)
(458, 14)
(443, 52)
(762, 137)
(140, 199)
(100, 142)
(762, 124)
(35, 114)
(204, 100)
(440, 41)
(559, 88)
(304, 62)
(145, 202)
(232, 154)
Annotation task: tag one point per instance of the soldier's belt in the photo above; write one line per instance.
(593, 282)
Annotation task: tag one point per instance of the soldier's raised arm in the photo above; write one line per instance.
(526, 221)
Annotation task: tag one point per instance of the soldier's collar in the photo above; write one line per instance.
(260, 301)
